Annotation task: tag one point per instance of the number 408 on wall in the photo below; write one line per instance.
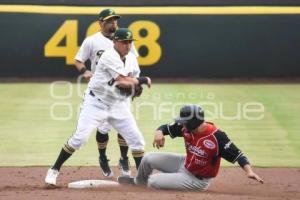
(68, 32)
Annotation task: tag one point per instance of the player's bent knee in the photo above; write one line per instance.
(150, 157)
(74, 145)
(77, 143)
(137, 146)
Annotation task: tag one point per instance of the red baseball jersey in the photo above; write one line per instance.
(202, 152)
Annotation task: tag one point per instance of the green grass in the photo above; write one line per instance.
(30, 136)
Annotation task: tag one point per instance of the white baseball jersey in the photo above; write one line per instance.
(109, 67)
(92, 48)
(103, 102)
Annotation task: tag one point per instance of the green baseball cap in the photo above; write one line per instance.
(107, 14)
(123, 34)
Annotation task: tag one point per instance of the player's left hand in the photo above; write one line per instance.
(254, 176)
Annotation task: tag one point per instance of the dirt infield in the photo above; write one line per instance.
(28, 183)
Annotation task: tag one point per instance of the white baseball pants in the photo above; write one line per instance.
(172, 175)
(94, 112)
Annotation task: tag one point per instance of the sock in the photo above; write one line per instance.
(137, 155)
(64, 154)
(123, 147)
(102, 140)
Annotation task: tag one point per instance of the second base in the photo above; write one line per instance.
(92, 184)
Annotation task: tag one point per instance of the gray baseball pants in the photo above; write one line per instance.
(173, 174)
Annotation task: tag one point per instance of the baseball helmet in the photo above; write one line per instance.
(191, 116)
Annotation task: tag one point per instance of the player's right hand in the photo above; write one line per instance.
(87, 75)
(254, 176)
(159, 139)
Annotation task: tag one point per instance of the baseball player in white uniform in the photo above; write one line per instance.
(92, 49)
(105, 100)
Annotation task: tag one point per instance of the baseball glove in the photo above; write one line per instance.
(138, 90)
(125, 91)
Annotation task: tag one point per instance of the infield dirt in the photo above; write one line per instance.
(231, 183)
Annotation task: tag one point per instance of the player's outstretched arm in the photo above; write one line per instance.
(250, 174)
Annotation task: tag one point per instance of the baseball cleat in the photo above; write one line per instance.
(51, 177)
(106, 171)
(124, 166)
(126, 180)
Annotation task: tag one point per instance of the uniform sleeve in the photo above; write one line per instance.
(84, 52)
(174, 129)
(227, 148)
